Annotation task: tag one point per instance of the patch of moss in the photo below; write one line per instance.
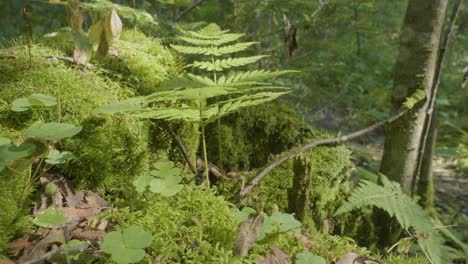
(249, 137)
(193, 226)
(142, 62)
(14, 200)
(110, 150)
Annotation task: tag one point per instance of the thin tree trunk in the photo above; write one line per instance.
(426, 181)
(415, 69)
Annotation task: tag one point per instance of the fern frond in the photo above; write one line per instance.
(220, 65)
(409, 214)
(215, 51)
(250, 76)
(226, 38)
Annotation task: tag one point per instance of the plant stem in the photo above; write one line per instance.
(205, 156)
(220, 154)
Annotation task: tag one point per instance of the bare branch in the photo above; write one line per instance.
(322, 142)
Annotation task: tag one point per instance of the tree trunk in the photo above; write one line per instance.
(426, 182)
(415, 69)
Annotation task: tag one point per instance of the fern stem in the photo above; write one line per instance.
(220, 154)
(205, 156)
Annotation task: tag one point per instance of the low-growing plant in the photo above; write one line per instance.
(200, 99)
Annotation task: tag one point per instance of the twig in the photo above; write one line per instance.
(330, 141)
(435, 85)
(183, 149)
(56, 250)
(195, 4)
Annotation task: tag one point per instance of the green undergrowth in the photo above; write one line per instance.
(14, 202)
(193, 226)
(109, 150)
(249, 137)
(141, 62)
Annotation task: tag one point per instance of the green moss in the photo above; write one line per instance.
(249, 137)
(14, 199)
(142, 62)
(110, 150)
(193, 226)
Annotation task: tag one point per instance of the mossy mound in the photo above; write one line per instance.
(194, 226)
(250, 136)
(110, 150)
(142, 62)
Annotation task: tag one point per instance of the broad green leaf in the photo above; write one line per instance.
(172, 190)
(136, 237)
(286, 221)
(10, 152)
(56, 157)
(127, 246)
(50, 218)
(267, 227)
(142, 182)
(52, 131)
(157, 185)
(4, 141)
(34, 100)
(243, 214)
(309, 258)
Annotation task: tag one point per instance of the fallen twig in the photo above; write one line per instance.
(182, 148)
(56, 250)
(322, 142)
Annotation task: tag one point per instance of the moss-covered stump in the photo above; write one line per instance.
(249, 137)
(110, 150)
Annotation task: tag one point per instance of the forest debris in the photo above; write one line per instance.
(248, 234)
(306, 241)
(278, 257)
(42, 245)
(6, 261)
(92, 235)
(353, 258)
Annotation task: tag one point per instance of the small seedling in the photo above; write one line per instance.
(164, 179)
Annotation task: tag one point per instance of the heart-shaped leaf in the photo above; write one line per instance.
(243, 214)
(34, 100)
(127, 246)
(309, 258)
(56, 157)
(286, 221)
(142, 182)
(50, 218)
(10, 152)
(52, 131)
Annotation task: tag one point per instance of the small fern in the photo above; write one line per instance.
(205, 99)
(409, 214)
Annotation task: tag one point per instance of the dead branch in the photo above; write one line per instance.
(322, 142)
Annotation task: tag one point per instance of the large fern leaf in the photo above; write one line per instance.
(409, 214)
(220, 65)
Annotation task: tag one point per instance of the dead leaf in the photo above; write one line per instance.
(89, 235)
(353, 258)
(115, 24)
(6, 261)
(19, 245)
(306, 241)
(248, 233)
(42, 245)
(278, 257)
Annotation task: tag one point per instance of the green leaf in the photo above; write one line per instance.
(10, 152)
(74, 243)
(136, 237)
(127, 246)
(34, 100)
(267, 227)
(142, 182)
(4, 141)
(52, 131)
(50, 218)
(309, 258)
(243, 214)
(286, 221)
(56, 157)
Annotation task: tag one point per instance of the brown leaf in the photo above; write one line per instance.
(79, 55)
(248, 233)
(88, 234)
(115, 24)
(40, 246)
(306, 241)
(278, 257)
(6, 261)
(353, 258)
